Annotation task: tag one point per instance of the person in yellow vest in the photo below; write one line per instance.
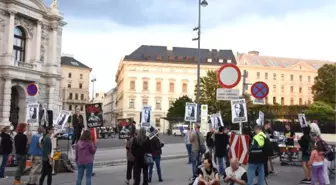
(257, 157)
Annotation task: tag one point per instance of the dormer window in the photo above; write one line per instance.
(158, 57)
(220, 61)
(229, 61)
(209, 60)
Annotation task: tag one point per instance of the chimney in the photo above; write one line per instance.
(253, 53)
(169, 47)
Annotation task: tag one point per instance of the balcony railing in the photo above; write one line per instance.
(24, 65)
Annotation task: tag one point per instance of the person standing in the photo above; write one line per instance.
(21, 150)
(270, 137)
(197, 145)
(290, 135)
(210, 142)
(46, 157)
(155, 145)
(130, 159)
(306, 145)
(85, 151)
(188, 144)
(6, 147)
(35, 151)
(221, 140)
(78, 125)
(316, 161)
(257, 157)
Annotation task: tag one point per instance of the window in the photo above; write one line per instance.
(300, 77)
(292, 101)
(69, 75)
(282, 89)
(69, 85)
(157, 122)
(282, 101)
(145, 86)
(258, 75)
(274, 88)
(292, 77)
(266, 76)
(81, 108)
(82, 96)
(81, 76)
(132, 85)
(158, 86)
(309, 89)
(184, 87)
(131, 104)
(144, 101)
(19, 47)
(158, 104)
(171, 103)
(274, 100)
(309, 79)
(282, 77)
(70, 107)
(80, 85)
(300, 89)
(274, 76)
(266, 100)
(76, 96)
(70, 96)
(171, 87)
(291, 89)
(309, 102)
(300, 101)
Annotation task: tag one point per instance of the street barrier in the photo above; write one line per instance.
(239, 147)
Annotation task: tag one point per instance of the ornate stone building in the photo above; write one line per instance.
(30, 52)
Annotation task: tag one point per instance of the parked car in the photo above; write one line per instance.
(177, 132)
(66, 135)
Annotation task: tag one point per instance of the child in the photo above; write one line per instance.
(316, 161)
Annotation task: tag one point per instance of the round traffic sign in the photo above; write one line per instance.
(32, 89)
(259, 90)
(228, 76)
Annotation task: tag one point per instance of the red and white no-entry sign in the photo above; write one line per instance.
(239, 147)
(228, 76)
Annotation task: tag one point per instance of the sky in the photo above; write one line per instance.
(100, 32)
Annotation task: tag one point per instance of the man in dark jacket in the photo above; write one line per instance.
(78, 125)
(210, 142)
(221, 141)
(6, 147)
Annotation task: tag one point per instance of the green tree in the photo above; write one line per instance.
(178, 107)
(320, 111)
(324, 85)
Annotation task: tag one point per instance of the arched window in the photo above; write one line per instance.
(19, 44)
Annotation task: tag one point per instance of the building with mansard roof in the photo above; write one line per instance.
(30, 52)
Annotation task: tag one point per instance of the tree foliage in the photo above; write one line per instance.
(324, 85)
(178, 107)
(320, 111)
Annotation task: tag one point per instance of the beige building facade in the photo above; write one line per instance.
(109, 107)
(157, 76)
(30, 52)
(75, 83)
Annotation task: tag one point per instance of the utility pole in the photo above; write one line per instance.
(93, 80)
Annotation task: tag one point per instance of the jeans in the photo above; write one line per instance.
(21, 161)
(46, 172)
(36, 169)
(251, 172)
(188, 146)
(221, 164)
(3, 165)
(88, 169)
(130, 169)
(195, 162)
(157, 160)
(137, 173)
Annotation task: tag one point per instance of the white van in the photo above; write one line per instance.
(176, 129)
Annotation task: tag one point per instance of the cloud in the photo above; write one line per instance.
(100, 42)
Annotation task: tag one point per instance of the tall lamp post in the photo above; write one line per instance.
(201, 3)
(93, 81)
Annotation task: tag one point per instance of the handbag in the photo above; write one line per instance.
(148, 159)
(202, 148)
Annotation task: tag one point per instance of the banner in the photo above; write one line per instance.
(94, 115)
(32, 113)
(239, 111)
(146, 116)
(62, 119)
(190, 113)
(216, 121)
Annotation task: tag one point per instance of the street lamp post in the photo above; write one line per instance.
(203, 3)
(93, 81)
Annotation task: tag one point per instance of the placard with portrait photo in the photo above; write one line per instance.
(33, 110)
(216, 121)
(94, 115)
(190, 113)
(239, 111)
(62, 119)
(146, 116)
(302, 120)
(261, 118)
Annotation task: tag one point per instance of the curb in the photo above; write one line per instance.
(10, 171)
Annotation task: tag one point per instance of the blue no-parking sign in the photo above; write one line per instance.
(259, 90)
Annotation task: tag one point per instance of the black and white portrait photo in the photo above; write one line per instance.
(125, 132)
(190, 113)
(94, 115)
(302, 120)
(151, 132)
(146, 116)
(33, 113)
(238, 110)
(261, 118)
(216, 121)
(62, 119)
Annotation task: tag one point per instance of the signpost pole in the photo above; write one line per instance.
(240, 128)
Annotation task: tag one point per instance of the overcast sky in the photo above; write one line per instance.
(100, 32)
